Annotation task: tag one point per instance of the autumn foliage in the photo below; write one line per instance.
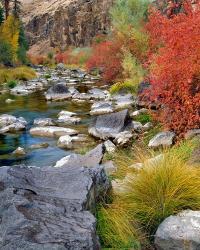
(175, 67)
(107, 56)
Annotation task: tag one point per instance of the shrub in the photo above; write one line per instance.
(107, 56)
(175, 70)
(127, 86)
(11, 84)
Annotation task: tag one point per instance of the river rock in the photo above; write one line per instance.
(82, 96)
(123, 101)
(49, 208)
(67, 117)
(97, 93)
(52, 131)
(162, 139)
(58, 92)
(19, 151)
(44, 122)
(39, 145)
(139, 112)
(192, 133)
(147, 126)
(110, 147)
(109, 167)
(29, 87)
(60, 66)
(10, 123)
(92, 158)
(179, 232)
(109, 125)
(123, 138)
(8, 101)
(137, 126)
(100, 108)
(69, 142)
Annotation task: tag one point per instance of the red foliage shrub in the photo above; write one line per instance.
(61, 57)
(107, 57)
(175, 70)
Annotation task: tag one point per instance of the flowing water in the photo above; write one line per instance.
(31, 107)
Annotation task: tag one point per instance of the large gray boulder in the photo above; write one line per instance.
(179, 232)
(58, 92)
(49, 208)
(109, 125)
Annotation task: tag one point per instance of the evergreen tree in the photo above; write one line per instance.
(1, 15)
(16, 8)
(6, 6)
(23, 45)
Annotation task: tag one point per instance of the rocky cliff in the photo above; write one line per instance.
(58, 23)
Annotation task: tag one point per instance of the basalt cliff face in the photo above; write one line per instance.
(59, 23)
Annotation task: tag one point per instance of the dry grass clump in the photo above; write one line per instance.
(20, 73)
(160, 189)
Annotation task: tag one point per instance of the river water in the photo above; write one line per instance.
(31, 107)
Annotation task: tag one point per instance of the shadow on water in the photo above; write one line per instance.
(31, 107)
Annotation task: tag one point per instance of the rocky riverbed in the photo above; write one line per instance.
(47, 187)
(61, 111)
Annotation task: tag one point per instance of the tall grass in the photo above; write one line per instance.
(160, 189)
(19, 73)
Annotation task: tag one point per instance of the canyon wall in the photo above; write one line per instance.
(59, 23)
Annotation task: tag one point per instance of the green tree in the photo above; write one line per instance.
(6, 54)
(23, 45)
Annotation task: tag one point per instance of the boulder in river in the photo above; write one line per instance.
(97, 93)
(10, 123)
(70, 142)
(181, 231)
(19, 151)
(49, 208)
(109, 125)
(52, 131)
(44, 122)
(100, 108)
(58, 92)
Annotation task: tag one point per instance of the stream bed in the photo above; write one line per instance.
(31, 107)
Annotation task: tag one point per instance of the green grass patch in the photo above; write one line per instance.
(143, 118)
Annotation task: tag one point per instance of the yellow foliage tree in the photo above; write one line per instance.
(10, 34)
